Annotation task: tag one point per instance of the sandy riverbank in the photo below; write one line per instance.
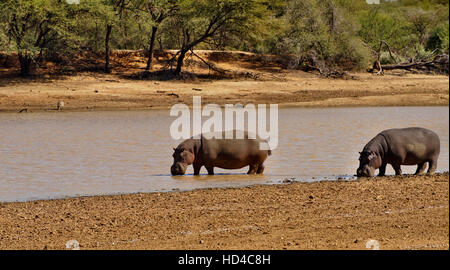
(94, 91)
(399, 212)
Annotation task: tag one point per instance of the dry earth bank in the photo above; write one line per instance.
(258, 79)
(399, 212)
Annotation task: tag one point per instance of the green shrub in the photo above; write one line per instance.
(439, 38)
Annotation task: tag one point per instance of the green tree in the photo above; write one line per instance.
(106, 15)
(201, 20)
(34, 25)
(158, 11)
(391, 26)
(439, 38)
(421, 22)
(322, 33)
(113, 13)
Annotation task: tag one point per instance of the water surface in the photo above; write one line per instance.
(54, 155)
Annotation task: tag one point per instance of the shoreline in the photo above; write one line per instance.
(298, 89)
(408, 212)
(280, 106)
(331, 179)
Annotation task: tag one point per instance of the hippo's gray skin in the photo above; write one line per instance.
(407, 146)
(222, 153)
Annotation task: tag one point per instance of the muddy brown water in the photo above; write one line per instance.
(56, 155)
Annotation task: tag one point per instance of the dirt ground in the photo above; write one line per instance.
(399, 212)
(259, 80)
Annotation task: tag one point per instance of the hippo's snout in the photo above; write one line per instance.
(178, 169)
(358, 172)
(365, 171)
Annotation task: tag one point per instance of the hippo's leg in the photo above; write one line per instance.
(382, 170)
(420, 168)
(432, 165)
(197, 168)
(210, 169)
(252, 169)
(397, 169)
(260, 169)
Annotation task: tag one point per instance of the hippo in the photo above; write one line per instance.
(222, 153)
(407, 146)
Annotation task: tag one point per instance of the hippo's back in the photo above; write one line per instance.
(232, 153)
(411, 134)
(413, 143)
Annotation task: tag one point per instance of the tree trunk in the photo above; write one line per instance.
(180, 61)
(25, 64)
(5, 62)
(151, 48)
(107, 49)
(184, 50)
(189, 46)
(160, 44)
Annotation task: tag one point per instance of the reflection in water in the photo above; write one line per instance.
(50, 155)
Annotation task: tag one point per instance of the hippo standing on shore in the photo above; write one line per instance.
(408, 146)
(222, 153)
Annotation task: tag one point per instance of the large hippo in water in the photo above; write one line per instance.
(222, 153)
(407, 146)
